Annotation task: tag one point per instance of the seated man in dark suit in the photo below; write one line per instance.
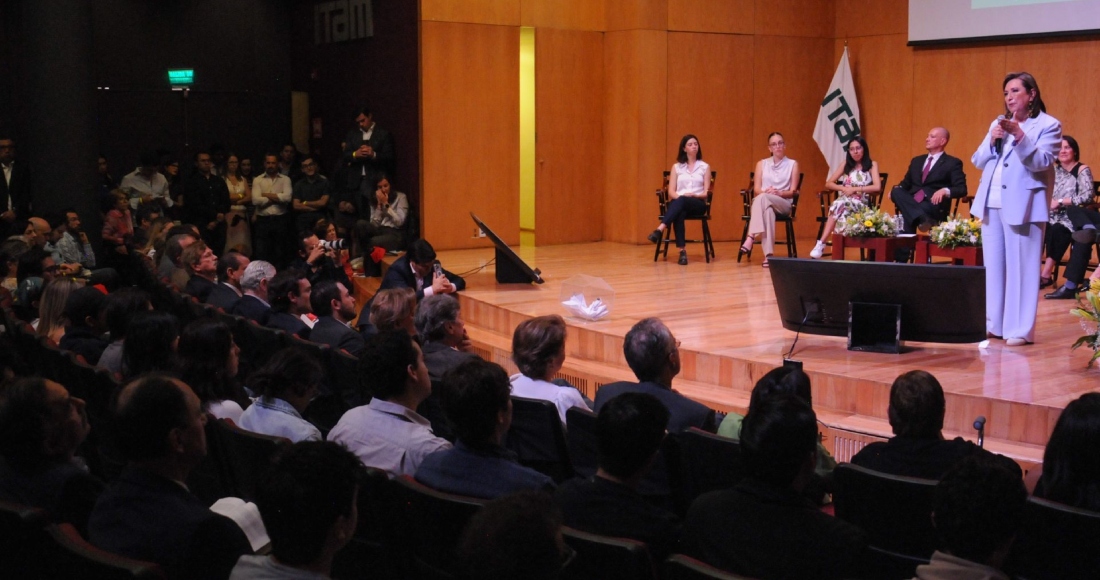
(924, 196)
(254, 283)
(477, 398)
(41, 427)
(918, 448)
(148, 513)
(654, 356)
(629, 432)
(202, 265)
(85, 311)
(289, 292)
(764, 527)
(443, 335)
(334, 307)
(231, 268)
(415, 270)
(978, 508)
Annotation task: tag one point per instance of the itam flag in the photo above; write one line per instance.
(838, 118)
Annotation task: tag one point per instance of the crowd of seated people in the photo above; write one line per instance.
(437, 413)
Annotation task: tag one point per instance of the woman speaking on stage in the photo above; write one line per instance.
(1017, 162)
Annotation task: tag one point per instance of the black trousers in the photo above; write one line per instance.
(1080, 254)
(271, 238)
(913, 212)
(680, 208)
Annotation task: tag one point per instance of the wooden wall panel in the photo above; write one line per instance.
(569, 154)
(813, 18)
(790, 78)
(569, 14)
(637, 14)
(635, 110)
(965, 103)
(882, 68)
(728, 16)
(871, 17)
(470, 124)
(710, 95)
(505, 12)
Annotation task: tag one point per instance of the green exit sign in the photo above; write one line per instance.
(181, 77)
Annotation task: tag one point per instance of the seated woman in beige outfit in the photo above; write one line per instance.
(774, 186)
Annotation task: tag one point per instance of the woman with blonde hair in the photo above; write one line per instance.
(538, 349)
(51, 321)
(394, 309)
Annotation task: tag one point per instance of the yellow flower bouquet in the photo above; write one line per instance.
(957, 232)
(868, 223)
(1088, 310)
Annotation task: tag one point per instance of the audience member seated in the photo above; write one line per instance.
(146, 216)
(170, 268)
(386, 226)
(316, 261)
(976, 512)
(284, 387)
(41, 427)
(1072, 186)
(654, 355)
(443, 334)
(764, 527)
(254, 282)
(202, 267)
(118, 229)
(516, 536)
(207, 360)
(227, 293)
(84, 309)
(852, 182)
(71, 249)
(918, 448)
(780, 381)
(629, 432)
(51, 309)
(774, 183)
(289, 292)
(415, 270)
(393, 309)
(122, 305)
(334, 307)
(477, 399)
(27, 298)
(146, 184)
(1071, 468)
(308, 504)
(923, 197)
(148, 513)
(10, 251)
(151, 341)
(387, 433)
(538, 349)
(37, 232)
(687, 193)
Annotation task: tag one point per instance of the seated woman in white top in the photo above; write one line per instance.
(687, 192)
(852, 182)
(538, 349)
(774, 184)
(284, 386)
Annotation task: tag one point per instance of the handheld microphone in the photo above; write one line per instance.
(998, 144)
(979, 424)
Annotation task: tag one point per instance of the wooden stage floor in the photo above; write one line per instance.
(726, 317)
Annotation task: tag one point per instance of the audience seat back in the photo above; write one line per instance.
(1056, 541)
(895, 511)
(21, 538)
(581, 438)
(436, 520)
(681, 567)
(607, 558)
(343, 372)
(257, 343)
(381, 541)
(67, 555)
(538, 438)
(243, 456)
(706, 462)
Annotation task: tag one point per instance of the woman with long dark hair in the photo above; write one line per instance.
(1071, 465)
(687, 192)
(208, 360)
(852, 182)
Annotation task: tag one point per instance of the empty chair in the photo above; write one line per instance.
(537, 437)
(895, 511)
(580, 437)
(435, 522)
(67, 555)
(681, 567)
(707, 462)
(606, 558)
(1056, 541)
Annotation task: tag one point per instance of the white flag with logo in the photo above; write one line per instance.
(838, 118)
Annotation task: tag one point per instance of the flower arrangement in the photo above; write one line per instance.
(1088, 310)
(867, 223)
(957, 233)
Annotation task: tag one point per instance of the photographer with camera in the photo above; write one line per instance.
(316, 258)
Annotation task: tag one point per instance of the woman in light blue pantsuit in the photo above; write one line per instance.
(1013, 201)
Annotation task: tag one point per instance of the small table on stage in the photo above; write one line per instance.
(881, 249)
(961, 256)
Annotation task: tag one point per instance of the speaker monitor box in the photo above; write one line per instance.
(510, 268)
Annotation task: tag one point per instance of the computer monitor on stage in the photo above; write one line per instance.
(511, 269)
(938, 303)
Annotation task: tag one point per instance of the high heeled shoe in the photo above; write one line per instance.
(746, 250)
(1045, 282)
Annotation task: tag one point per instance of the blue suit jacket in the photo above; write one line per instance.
(251, 308)
(1027, 178)
(684, 413)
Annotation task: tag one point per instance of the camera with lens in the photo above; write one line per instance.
(338, 244)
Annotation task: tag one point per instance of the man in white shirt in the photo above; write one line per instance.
(145, 184)
(388, 433)
(271, 195)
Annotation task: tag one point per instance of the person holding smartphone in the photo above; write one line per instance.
(418, 269)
